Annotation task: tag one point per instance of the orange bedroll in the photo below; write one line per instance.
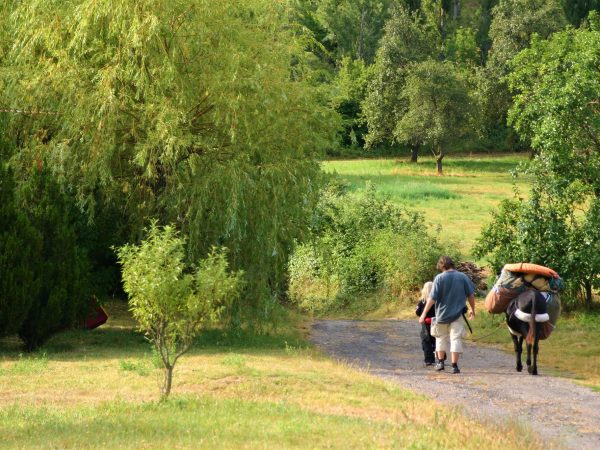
(531, 268)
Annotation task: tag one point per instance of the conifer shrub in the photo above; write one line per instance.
(19, 242)
(60, 265)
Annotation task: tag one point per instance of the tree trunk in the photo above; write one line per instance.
(438, 161)
(587, 285)
(442, 23)
(456, 9)
(414, 153)
(167, 382)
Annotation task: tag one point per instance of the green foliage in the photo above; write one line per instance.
(361, 244)
(195, 112)
(61, 292)
(19, 247)
(513, 24)
(484, 20)
(557, 88)
(546, 229)
(349, 91)
(516, 21)
(171, 302)
(405, 40)
(440, 109)
(346, 28)
(462, 47)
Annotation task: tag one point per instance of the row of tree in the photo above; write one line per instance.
(391, 67)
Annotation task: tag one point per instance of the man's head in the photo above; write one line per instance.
(445, 263)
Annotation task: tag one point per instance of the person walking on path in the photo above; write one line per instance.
(427, 340)
(451, 289)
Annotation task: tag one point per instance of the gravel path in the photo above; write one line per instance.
(561, 412)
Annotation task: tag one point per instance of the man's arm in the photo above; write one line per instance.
(471, 299)
(428, 306)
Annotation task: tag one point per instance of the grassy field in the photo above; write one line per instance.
(99, 389)
(460, 201)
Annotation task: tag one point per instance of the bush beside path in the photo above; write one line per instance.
(489, 389)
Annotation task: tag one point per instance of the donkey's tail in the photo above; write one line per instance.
(532, 324)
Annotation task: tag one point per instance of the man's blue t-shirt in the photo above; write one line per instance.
(450, 291)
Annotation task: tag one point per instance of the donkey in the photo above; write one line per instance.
(526, 316)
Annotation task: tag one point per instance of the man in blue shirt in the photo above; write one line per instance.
(449, 293)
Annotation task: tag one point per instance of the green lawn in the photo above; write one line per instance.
(460, 202)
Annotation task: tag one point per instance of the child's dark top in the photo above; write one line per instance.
(421, 307)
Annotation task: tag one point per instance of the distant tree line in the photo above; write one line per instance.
(367, 50)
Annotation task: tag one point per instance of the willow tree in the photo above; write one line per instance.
(186, 110)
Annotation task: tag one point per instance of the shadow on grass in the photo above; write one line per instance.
(109, 343)
(490, 165)
(411, 185)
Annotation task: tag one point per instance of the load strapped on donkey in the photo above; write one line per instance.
(526, 279)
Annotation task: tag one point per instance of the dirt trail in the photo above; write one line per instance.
(488, 387)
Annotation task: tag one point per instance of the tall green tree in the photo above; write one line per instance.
(188, 111)
(513, 24)
(61, 270)
(406, 40)
(484, 41)
(439, 107)
(515, 21)
(556, 87)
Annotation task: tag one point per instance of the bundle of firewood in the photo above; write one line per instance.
(475, 273)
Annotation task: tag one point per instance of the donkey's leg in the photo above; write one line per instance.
(530, 368)
(535, 353)
(518, 344)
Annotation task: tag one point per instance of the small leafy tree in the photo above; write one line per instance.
(171, 302)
